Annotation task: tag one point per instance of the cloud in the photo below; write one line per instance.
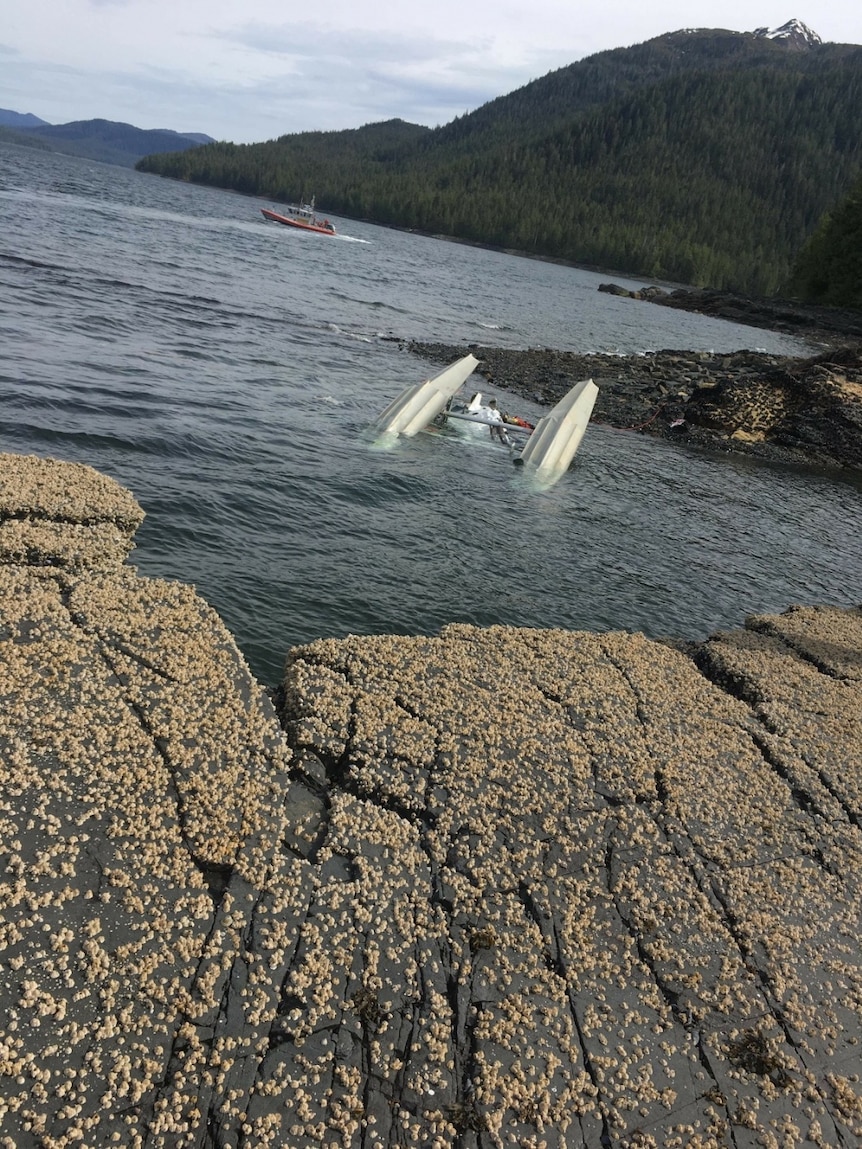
(247, 73)
(353, 76)
(271, 81)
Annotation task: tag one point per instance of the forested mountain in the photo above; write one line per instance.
(108, 141)
(704, 157)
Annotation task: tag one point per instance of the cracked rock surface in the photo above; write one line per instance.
(496, 887)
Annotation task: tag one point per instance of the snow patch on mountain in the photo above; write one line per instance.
(796, 33)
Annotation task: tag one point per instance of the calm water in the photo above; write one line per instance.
(226, 370)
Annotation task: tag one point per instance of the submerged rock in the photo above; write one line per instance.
(493, 887)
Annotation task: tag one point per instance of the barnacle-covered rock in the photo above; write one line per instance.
(494, 887)
(63, 514)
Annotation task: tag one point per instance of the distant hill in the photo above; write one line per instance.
(104, 140)
(703, 156)
(23, 121)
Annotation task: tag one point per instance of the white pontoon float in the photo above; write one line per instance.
(548, 448)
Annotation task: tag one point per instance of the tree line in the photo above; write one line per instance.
(706, 159)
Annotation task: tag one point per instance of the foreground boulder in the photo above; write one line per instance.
(495, 887)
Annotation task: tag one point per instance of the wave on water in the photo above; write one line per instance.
(377, 305)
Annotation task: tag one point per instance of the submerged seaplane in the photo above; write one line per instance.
(545, 450)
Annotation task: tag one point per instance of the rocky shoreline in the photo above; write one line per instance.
(798, 410)
(492, 888)
(826, 326)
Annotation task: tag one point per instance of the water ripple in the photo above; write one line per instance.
(227, 373)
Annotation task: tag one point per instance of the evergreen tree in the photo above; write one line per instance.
(829, 267)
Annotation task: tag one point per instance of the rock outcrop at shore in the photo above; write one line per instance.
(806, 410)
(496, 887)
(826, 325)
(783, 409)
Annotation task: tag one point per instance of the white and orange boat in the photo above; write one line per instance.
(300, 215)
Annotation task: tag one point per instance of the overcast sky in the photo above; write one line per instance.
(251, 70)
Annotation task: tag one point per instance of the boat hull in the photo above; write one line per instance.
(301, 224)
